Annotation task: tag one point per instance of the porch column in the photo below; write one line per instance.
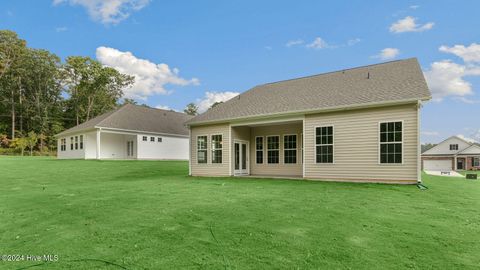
(455, 163)
(98, 143)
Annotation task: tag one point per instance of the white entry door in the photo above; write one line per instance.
(240, 153)
(129, 149)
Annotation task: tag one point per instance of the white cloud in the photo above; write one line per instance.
(163, 107)
(475, 139)
(408, 24)
(107, 11)
(295, 42)
(445, 78)
(430, 133)
(353, 41)
(269, 48)
(468, 54)
(388, 53)
(61, 29)
(150, 78)
(467, 100)
(414, 6)
(212, 97)
(318, 43)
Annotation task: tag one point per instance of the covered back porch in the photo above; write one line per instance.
(111, 144)
(267, 149)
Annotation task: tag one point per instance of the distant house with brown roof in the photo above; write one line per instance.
(129, 132)
(360, 124)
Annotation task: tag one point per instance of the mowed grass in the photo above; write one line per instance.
(150, 215)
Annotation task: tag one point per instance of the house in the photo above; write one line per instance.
(360, 124)
(129, 132)
(452, 154)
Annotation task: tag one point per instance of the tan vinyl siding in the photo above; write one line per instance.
(209, 169)
(279, 169)
(356, 145)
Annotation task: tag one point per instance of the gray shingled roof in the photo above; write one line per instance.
(375, 84)
(138, 118)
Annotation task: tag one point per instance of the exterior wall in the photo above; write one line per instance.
(356, 145)
(68, 153)
(280, 169)
(209, 169)
(91, 145)
(440, 158)
(469, 163)
(443, 148)
(174, 148)
(114, 146)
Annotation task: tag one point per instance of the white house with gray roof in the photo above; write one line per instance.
(129, 132)
(360, 124)
(452, 154)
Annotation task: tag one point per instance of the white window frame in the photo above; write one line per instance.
(455, 147)
(206, 149)
(296, 149)
(71, 144)
(81, 142)
(144, 138)
(212, 149)
(263, 150)
(332, 144)
(159, 139)
(278, 149)
(152, 139)
(379, 143)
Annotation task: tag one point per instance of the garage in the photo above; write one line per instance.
(437, 165)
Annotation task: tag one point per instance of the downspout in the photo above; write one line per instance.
(419, 145)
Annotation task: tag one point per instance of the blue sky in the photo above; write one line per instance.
(206, 51)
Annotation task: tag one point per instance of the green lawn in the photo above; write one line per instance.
(473, 172)
(150, 215)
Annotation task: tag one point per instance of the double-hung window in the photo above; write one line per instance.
(216, 148)
(71, 143)
(259, 149)
(144, 138)
(273, 149)
(454, 147)
(76, 142)
(81, 141)
(324, 144)
(159, 139)
(202, 149)
(290, 149)
(391, 139)
(63, 144)
(476, 162)
(152, 139)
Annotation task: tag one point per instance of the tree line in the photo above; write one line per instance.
(41, 96)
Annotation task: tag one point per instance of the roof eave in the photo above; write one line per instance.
(300, 112)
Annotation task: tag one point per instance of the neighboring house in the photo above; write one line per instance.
(452, 154)
(129, 132)
(360, 124)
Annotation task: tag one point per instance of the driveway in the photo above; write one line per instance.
(445, 173)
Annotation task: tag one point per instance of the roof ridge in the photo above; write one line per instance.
(336, 71)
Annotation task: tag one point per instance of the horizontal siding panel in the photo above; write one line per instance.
(280, 169)
(209, 169)
(356, 144)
